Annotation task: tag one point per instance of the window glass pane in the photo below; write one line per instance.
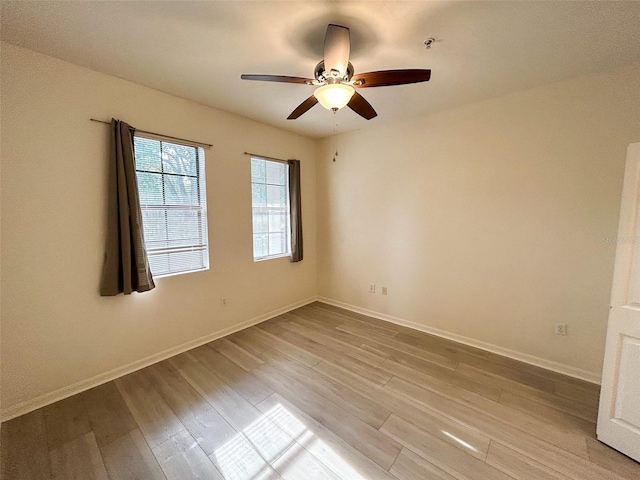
(259, 195)
(180, 190)
(183, 228)
(275, 173)
(150, 188)
(260, 222)
(258, 170)
(277, 221)
(276, 196)
(159, 263)
(147, 154)
(276, 244)
(179, 159)
(185, 261)
(260, 245)
(155, 228)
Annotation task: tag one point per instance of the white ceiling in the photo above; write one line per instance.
(197, 50)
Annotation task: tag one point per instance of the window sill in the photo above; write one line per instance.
(166, 275)
(272, 257)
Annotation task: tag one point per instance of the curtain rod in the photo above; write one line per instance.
(264, 157)
(208, 145)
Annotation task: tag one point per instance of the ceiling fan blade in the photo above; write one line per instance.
(384, 78)
(303, 107)
(337, 47)
(363, 108)
(277, 78)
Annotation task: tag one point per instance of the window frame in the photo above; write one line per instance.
(287, 204)
(201, 181)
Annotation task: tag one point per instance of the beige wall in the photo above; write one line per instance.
(486, 221)
(56, 329)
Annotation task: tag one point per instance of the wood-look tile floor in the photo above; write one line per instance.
(320, 393)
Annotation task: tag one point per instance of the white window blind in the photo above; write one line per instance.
(271, 214)
(171, 183)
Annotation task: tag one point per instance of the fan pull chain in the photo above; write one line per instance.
(335, 124)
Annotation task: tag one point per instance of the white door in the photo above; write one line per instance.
(619, 414)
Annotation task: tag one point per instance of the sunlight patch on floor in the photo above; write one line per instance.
(279, 438)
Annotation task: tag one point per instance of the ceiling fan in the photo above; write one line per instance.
(336, 81)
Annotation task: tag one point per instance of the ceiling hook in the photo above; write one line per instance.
(428, 42)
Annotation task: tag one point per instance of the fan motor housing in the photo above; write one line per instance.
(325, 77)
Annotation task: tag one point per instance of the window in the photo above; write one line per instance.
(174, 205)
(270, 200)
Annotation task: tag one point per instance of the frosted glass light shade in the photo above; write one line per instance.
(334, 96)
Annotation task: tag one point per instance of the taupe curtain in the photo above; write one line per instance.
(126, 267)
(295, 206)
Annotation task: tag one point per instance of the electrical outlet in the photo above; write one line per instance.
(372, 288)
(384, 290)
(561, 328)
(223, 302)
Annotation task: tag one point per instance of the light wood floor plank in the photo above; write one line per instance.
(411, 466)
(182, 359)
(385, 328)
(344, 460)
(553, 456)
(235, 354)
(202, 421)
(425, 376)
(360, 406)
(306, 358)
(363, 437)
(319, 319)
(250, 343)
(519, 376)
(245, 384)
(268, 439)
(25, 455)
(392, 344)
(579, 409)
(548, 414)
(442, 427)
(110, 418)
(129, 457)
(78, 459)
(555, 435)
(582, 394)
(181, 458)
(156, 420)
(612, 460)
(66, 420)
(322, 352)
(330, 339)
(520, 466)
(238, 460)
(297, 463)
(490, 362)
(444, 456)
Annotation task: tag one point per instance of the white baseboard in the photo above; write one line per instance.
(64, 392)
(522, 357)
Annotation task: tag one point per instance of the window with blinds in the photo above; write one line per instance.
(171, 183)
(271, 214)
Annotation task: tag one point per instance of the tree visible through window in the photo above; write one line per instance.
(173, 203)
(270, 200)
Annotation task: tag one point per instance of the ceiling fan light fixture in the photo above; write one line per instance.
(334, 96)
